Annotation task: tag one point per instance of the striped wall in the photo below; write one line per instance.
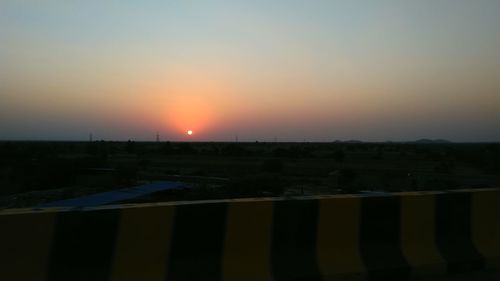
(348, 237)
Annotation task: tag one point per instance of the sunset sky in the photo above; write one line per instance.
(259, 69)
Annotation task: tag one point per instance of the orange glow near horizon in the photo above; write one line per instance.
(190, 115)
(191, 102)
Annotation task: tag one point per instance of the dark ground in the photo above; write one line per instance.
(35, 172)
(483, 275)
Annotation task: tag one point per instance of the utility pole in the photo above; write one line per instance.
(90, 137)
(157, 137)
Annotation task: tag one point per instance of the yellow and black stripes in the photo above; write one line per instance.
(453, 232)
(248, 241)
(338, 247)
(346, 237)
(485, 225)
(142, 244)
(380, 240)
(83, 245)
(418, 235)
(294, 237)
(25, 245)
(196, 249)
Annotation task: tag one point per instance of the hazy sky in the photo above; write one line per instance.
(294, 70)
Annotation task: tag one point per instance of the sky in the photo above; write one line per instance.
(268, 70)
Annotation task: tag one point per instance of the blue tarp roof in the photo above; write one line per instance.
(115, 196)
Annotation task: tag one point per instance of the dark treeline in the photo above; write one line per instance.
(248, 169)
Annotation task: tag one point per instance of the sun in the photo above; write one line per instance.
(189, 132)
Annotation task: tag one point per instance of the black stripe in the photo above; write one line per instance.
(380, 239)
(294, 240)
(197, 242)
(83, 245)
(453, 232)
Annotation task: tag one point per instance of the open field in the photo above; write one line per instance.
(36, 172)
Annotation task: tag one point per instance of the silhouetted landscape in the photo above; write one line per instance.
(32, 173)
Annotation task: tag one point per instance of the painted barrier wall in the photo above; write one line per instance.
(348, 237)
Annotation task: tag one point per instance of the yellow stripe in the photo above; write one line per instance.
(418, 241)
(25, 242)
(247, 246)
(486, 225)
(142, 244)
(338, 238)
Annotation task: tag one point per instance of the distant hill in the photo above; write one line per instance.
(348, 141)
(431, 141)
(353, 141)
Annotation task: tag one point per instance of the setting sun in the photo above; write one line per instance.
(190, 132)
